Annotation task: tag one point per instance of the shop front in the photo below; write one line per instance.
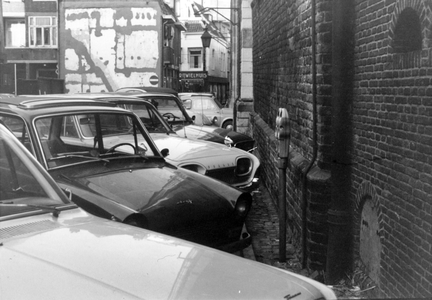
(201, 82)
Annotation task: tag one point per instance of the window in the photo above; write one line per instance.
(15, 32)
(18, 128)
(408, 35)
(43, 31)
(195, 58)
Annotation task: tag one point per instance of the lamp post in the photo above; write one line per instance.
(206, 39)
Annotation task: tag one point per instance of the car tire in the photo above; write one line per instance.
(228, 125)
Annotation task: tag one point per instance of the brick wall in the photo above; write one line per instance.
(391, 184)
(282, 78)
(393, 111)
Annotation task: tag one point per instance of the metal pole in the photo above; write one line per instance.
(204, 59)
(15, 80)
(283, 162)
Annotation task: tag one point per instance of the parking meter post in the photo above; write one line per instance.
(282, 133)
(282, 208)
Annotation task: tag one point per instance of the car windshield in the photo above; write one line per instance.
(169, 108)
(152, 120)
(79, 138)
(204, 102)
(23, 187)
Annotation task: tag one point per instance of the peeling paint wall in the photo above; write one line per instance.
(108, 48)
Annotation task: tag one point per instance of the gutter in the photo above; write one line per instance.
(238, 98)
(314, 137)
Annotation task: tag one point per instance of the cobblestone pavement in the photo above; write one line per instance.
(263, 225)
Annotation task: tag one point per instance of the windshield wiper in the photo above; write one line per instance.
(54, 210)
(77, 156)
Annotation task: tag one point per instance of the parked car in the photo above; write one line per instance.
(231, 165)
(50, 249)
(206, 104)
(196, 127)
(106, 157)
(6, 95)
(148, 89)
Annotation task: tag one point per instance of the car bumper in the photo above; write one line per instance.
(250, 187)
(244, 241)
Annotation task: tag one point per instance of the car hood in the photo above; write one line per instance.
(142, 185)
(85, 257)
(184, 150)
(150, 188)
(209, 133)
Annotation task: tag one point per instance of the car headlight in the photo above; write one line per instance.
(243, 205)
(244, 166)
(228, 141)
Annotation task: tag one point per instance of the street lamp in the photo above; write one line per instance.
(206, 39)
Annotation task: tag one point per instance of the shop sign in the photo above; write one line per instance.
(193, 75)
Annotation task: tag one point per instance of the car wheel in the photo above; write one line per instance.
(228, 125)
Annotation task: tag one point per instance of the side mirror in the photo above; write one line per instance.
(68, 193)
(165, 152)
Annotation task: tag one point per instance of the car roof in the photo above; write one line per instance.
(196, 94)
(55, 104)
(145, 94)
(149, 89)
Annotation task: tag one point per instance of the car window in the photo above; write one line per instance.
(148, 116)
(16, 180)
(22, 185)
(79, 138)
(203, 103)
(18, 128)
(169, 109)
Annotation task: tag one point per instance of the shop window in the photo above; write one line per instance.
(15, 32)
(407, 34)
(195, 58)
(43, 31)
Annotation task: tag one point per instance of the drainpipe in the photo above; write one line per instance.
(339, 252)
(314, 135)
(238, 98)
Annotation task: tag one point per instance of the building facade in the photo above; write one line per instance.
(107, 45)
(354, 77)
(30, 47)
(205, 69)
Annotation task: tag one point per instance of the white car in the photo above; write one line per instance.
(50, 249)
(231, 165)
(206, 104)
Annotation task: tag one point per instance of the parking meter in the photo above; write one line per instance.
(283, 131)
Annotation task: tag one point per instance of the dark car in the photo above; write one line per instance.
(118, 173)
(172, 108)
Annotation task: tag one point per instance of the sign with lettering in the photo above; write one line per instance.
(193, 75)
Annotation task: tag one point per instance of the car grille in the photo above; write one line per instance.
(226, 175)
(246, 145)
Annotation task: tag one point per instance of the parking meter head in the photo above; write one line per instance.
(283, 131)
